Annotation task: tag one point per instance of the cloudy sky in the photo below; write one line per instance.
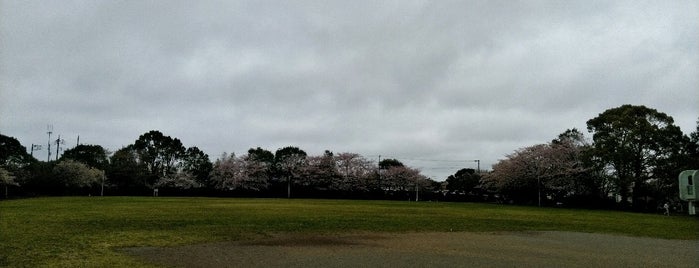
(452, 81)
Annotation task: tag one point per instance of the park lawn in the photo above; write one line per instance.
(90, 231)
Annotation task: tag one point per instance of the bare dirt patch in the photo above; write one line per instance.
(530, 249)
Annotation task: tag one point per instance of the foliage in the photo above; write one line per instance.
(13, 154)
(548, 172)
(261, 155)
(92, 155)
(179, 180)
(126, 173)
(355, 171)
(231, 172)
(159, 154)
(634, 152)
(321, 173)
(633, 143)
(75, 175)
(196, 164)
(6, 180)
(401, 178)
(463, 181)
(389, 163)
(289, 163)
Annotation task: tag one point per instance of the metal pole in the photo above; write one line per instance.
(102, 190)
(48, 158)
(58, 146)
(379, 170)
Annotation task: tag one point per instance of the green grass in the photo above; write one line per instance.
(88, 231)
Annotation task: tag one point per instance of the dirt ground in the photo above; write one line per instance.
(530, 249)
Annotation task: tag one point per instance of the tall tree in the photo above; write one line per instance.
(159, 153)
(126, 173)
(633, 142)
(289, 162)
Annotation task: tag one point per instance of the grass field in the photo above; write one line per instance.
(88, 231)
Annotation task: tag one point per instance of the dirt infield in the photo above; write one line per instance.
(530, 249)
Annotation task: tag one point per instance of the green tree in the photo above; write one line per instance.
(693, 146)
(463, 181)
(91, 155)
(15, 160)
(261, 155)
(126, 173)
(633, 143)
(389, 163)
(159, 154)
(197, 163)
(13, 154)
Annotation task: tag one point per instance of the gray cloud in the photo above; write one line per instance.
(448, 80)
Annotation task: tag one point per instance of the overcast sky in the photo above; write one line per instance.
(412, 80)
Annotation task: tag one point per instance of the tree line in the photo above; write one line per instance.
(630, 162)
(159, 163)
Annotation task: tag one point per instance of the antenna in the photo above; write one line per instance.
(49, 130)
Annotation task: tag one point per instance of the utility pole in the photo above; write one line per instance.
(478, 161)
(379, 170)
(49, 130)
(35, 147)
(59, 141)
